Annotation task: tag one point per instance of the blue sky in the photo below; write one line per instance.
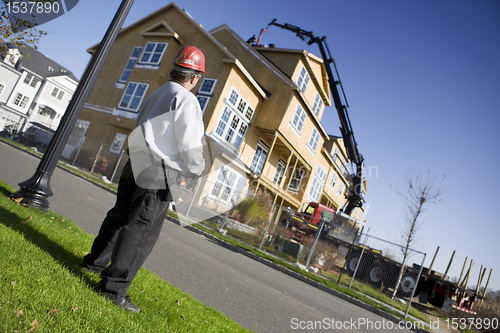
(423, 82)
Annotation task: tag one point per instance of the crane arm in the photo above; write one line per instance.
(355, 198)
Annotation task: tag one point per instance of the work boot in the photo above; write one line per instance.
(123, 302)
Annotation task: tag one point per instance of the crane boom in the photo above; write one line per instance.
(355, 198)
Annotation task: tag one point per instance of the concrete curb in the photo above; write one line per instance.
(296, 275)
(61, 167)
(253, 256)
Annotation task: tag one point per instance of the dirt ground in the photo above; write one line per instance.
(435, 317)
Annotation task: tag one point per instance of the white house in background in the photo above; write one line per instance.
(33, 88)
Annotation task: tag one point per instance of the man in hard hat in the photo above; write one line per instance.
(171, 129)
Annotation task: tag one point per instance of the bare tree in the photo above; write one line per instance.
(419, 191)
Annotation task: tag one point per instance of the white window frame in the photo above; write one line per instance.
(317, 185)
(18, 99)
(132, 60)
(126, 93)
(303, 80)
(313, 141)
(298, 120)
(145, 62)
(31, 80)
(231, 127)
(21, 100)
(335, 154)
(55, 91)
(259, 157)
(224, 186)
(318, 104)
(335, 176)
(298, 175)
(340, 189)
(1, 87)
(206, 82)
(342, 166)
(204, 95)
(203, 100)
(60, 95)
(280, 172)
(233, 123)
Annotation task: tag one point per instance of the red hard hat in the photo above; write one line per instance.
(190, 57)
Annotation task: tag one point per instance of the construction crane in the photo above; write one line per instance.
(355, 197)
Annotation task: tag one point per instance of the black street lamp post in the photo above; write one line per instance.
(36, 190)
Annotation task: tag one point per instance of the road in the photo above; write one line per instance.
(253, 294)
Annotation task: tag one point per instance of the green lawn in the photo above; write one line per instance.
(42, 288)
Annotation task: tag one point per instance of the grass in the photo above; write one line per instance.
(328, 281)
(42, 287)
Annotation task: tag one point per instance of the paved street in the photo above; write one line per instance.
(254, 295)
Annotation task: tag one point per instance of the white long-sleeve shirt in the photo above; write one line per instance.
(169, 128)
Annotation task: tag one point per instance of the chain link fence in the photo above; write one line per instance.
(319, 239)
(96, 158)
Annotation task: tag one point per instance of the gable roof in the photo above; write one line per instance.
(38, 63)
(261, 58)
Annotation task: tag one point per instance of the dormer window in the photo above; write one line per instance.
(12, 57)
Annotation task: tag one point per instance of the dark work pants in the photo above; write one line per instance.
(128, 234)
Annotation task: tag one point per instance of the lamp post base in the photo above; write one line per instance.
(35, 191)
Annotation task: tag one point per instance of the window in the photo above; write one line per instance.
(133, 95)
(207, 86)
(28, 78)
(225, 185)
(259, 158)
(55, 91)
(341, 165)
(152, 53)
(249, 113)
(296, 180)
(205, 92)
(317, 186)
(34, 82)
(46, 112)
(1, 88)
(78, 133)
(280, 170)
(21, 100)
(303, 80)
(31, 80)
(335, 154)
(298, 119)
(313, 141)
(203, 100)
(318, 104)
(234, 97)
(130, 64)
(334, 179)
(340, 189)
(234, 122)
(60, 95)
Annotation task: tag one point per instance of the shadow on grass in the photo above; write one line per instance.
(65, 258)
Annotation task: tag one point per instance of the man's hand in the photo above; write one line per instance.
(193, 183)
